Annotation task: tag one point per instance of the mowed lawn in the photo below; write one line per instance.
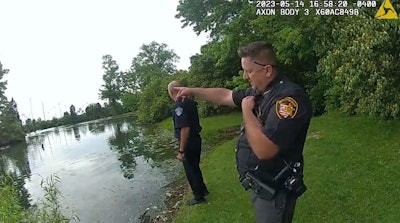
(352, 169)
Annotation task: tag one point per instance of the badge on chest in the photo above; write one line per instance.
(178, 111)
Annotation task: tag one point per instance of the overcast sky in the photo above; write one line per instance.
(54, 48)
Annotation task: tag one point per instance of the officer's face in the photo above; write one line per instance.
(258, 75)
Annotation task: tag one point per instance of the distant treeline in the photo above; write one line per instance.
(92, 112)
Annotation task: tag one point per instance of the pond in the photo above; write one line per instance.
(110, 170)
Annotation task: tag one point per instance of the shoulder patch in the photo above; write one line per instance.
(178, 111)
(286, 108)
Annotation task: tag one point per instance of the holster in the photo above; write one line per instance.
(261, 189)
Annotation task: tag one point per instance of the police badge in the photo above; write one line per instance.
(286, 108)
(178, 111)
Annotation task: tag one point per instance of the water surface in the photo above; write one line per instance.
(110, 170)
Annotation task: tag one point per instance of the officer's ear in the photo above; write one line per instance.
(269, 70)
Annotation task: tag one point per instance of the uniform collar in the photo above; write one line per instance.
(277, 80)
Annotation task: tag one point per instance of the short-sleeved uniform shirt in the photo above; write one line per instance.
(185, 114)
(284, 111)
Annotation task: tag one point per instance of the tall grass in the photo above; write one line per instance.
(45, 210)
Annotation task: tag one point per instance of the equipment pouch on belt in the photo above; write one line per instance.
(295, 185)
(261, 189)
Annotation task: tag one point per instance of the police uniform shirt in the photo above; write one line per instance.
(284, 112)
(186, 115)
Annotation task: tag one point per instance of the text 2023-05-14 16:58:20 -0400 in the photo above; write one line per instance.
(317, 8)
(314, 4)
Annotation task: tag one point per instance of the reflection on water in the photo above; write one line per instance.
(15, 162)
(110, 170)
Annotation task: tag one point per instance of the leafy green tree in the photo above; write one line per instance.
(113, 86)
(145, 83)
(73, 114)
(11, 129)
(130, 101)
(94, 111)
(362, 67)
(155, 103)
(28, 125)
(3, 87)
(209, 16)
(14, 109)
(153, 61)
(65, 120)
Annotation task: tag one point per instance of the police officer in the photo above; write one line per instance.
(187, 130)
(276, 116)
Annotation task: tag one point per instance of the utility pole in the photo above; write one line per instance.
(44, 117)
(30, 102)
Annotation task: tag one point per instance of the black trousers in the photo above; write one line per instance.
(278, 210)
(191, 165)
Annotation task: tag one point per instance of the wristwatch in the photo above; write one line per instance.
(181, 152)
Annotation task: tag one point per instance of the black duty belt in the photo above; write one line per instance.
(261, 189)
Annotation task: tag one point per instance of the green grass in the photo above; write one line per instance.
(351, 171)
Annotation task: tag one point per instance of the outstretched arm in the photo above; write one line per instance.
(220, 96)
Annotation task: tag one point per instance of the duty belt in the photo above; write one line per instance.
(261, 189)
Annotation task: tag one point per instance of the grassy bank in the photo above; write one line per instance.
(351, 173)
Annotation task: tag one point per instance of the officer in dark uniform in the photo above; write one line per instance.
(187, 130)
(276, 117)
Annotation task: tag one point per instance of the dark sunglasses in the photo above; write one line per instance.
(263, 64)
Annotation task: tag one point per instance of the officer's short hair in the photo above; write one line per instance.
(260, 50)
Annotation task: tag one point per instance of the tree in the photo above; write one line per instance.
(11, 129)
(73, 114)
(111, 89)
(113, 86)
(154, 64)
(94, 111)
(14, 110)
(155, 103)
(359, 74)
(209, 16)
(3, 84)
(153, 61)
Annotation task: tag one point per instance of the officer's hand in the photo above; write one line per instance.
(181, 156)
(248, 103)
(182, 92)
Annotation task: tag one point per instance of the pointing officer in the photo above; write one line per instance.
(276, 116)
(187, 130)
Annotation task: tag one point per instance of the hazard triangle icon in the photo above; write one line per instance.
(386, 11)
